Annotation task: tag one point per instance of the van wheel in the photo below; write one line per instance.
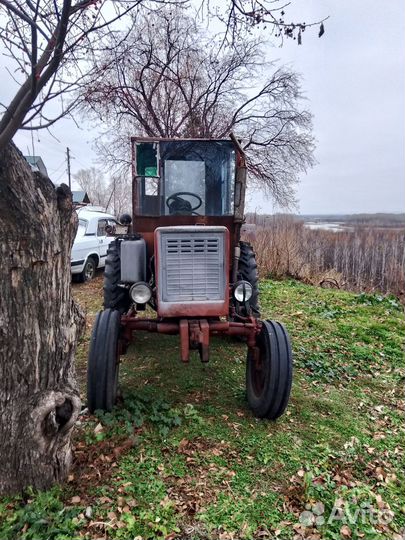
(269, 371)
(88, 272)
(103, 362)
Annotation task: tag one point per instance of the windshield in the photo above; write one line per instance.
(185, 178)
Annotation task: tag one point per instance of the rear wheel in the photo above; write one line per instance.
(88, 272)
(269, 371)
(115, 297)
(103, 362)
(247, 271)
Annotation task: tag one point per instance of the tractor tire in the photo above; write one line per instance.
(247, 270)
(103, 361)
(115, 297)
(269, 373)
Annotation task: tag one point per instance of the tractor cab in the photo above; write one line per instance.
(184, 259)
(193, 182)
(184, 178)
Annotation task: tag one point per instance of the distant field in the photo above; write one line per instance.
(352, 222)
(377, 220)
(352, 255)
(328, 225)
(384, 220)
(182, 457)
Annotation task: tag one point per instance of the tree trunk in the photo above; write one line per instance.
(39, 327)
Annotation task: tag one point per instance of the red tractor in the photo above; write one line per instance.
(183, 258)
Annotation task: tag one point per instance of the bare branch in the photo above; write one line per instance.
(158, 83)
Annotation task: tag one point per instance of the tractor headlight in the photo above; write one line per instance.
(242, 291)
(140, 292)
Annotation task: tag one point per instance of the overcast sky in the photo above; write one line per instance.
(353, 78)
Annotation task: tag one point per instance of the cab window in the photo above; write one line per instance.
(185, 178)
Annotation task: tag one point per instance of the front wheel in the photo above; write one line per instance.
(88, 272)
(103, 362)
(269, 371)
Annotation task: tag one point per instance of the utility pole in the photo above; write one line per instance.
(68, 167)
(114, 195)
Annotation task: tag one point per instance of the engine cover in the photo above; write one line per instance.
(192, 271)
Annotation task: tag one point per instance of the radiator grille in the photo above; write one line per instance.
(192, 266)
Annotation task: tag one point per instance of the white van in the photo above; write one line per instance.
(89, 249)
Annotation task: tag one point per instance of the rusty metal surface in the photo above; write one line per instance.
(240, 153)
(193, 332)
(196, 309)
(130, 323)
(204, 337)
(200, 338)
(184, 340)
(150, 223)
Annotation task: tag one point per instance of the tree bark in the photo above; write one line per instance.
(39, 327)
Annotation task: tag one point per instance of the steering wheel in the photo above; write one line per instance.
(175, 199)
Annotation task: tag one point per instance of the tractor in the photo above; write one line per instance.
(182, 260)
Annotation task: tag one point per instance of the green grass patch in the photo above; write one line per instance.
(182, 456)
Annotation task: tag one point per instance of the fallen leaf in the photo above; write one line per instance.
(345, 531)
(127, 445)
(98, 428)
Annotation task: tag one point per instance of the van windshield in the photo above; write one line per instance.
(192, 177)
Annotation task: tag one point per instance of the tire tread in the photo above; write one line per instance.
(101, 370)
(248, 271)
(115, 297)
(274, 398)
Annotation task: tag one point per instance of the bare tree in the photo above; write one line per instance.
(48, 43)
(39, 399)
(169, 79)
(114, 195)
(92, 181)
(240, 17)
(51, 45)
(120, 195)
(52, 42)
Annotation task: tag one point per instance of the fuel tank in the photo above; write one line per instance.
(133, 260)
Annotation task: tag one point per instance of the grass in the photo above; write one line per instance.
(183, 457)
